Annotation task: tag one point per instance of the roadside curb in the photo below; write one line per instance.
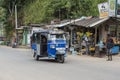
(21, 47)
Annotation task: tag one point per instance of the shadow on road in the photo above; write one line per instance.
(48, 60)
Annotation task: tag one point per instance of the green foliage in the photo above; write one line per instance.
(42, 11)
(46, 10)
(37, 12)
(2, 14)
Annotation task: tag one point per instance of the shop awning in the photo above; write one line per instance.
(90, 22)
(98, 22)
(60, 25)
(83, 21)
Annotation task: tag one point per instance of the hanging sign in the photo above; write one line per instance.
(103, 10)
(118, 8)
(112, 8)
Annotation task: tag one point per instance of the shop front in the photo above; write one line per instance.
(114, 30)
(95, 29)
(92, 28)
(100, 28)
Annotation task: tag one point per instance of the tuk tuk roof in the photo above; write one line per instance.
(50, 31)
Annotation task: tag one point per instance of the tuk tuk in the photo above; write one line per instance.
(49, 43)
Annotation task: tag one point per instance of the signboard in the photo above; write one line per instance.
(118, 8)
(103, 10)
(112, 8)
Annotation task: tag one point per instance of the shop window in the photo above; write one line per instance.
(112, 30)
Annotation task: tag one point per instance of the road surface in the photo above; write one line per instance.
(18, 64)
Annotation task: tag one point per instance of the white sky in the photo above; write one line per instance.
(118, 1)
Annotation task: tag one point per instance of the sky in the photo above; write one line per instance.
(118, 1)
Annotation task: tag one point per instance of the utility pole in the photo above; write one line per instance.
(16, 23)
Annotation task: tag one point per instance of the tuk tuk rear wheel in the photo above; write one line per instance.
(36, 57)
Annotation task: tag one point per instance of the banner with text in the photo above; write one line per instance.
(112, 8)
(118, 8)
(103, 10)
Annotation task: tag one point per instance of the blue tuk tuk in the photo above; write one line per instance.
(49, 43)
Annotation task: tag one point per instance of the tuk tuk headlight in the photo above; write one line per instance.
(52, 46)
(66, 46)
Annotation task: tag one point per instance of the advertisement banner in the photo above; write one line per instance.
(112, 8)
(118, 8)
(103, 10)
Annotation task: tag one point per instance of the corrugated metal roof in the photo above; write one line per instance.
(90, 22)
(83, 21)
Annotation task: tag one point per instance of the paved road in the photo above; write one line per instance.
(18, 64)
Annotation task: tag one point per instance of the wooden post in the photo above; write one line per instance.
(116, 29)
(95, 34)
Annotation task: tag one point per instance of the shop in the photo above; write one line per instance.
(23, 35)
(93, 27)
(76, 33)
(100, 28)
(26, 35)
(114, 30)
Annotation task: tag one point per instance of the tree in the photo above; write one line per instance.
(9, 6)
(2, 14)
(43, 11)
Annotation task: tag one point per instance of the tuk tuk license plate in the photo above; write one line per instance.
(60, 48)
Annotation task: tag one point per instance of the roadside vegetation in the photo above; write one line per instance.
(43, 11)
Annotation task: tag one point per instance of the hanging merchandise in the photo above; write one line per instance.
(88, 34)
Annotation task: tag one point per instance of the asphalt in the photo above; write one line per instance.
(18, 64)
(104, 57)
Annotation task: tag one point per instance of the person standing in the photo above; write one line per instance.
(87, 44)
(109, 45)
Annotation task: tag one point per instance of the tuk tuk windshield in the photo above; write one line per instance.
(57, 37)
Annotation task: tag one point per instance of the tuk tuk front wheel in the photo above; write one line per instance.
(60, 58)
